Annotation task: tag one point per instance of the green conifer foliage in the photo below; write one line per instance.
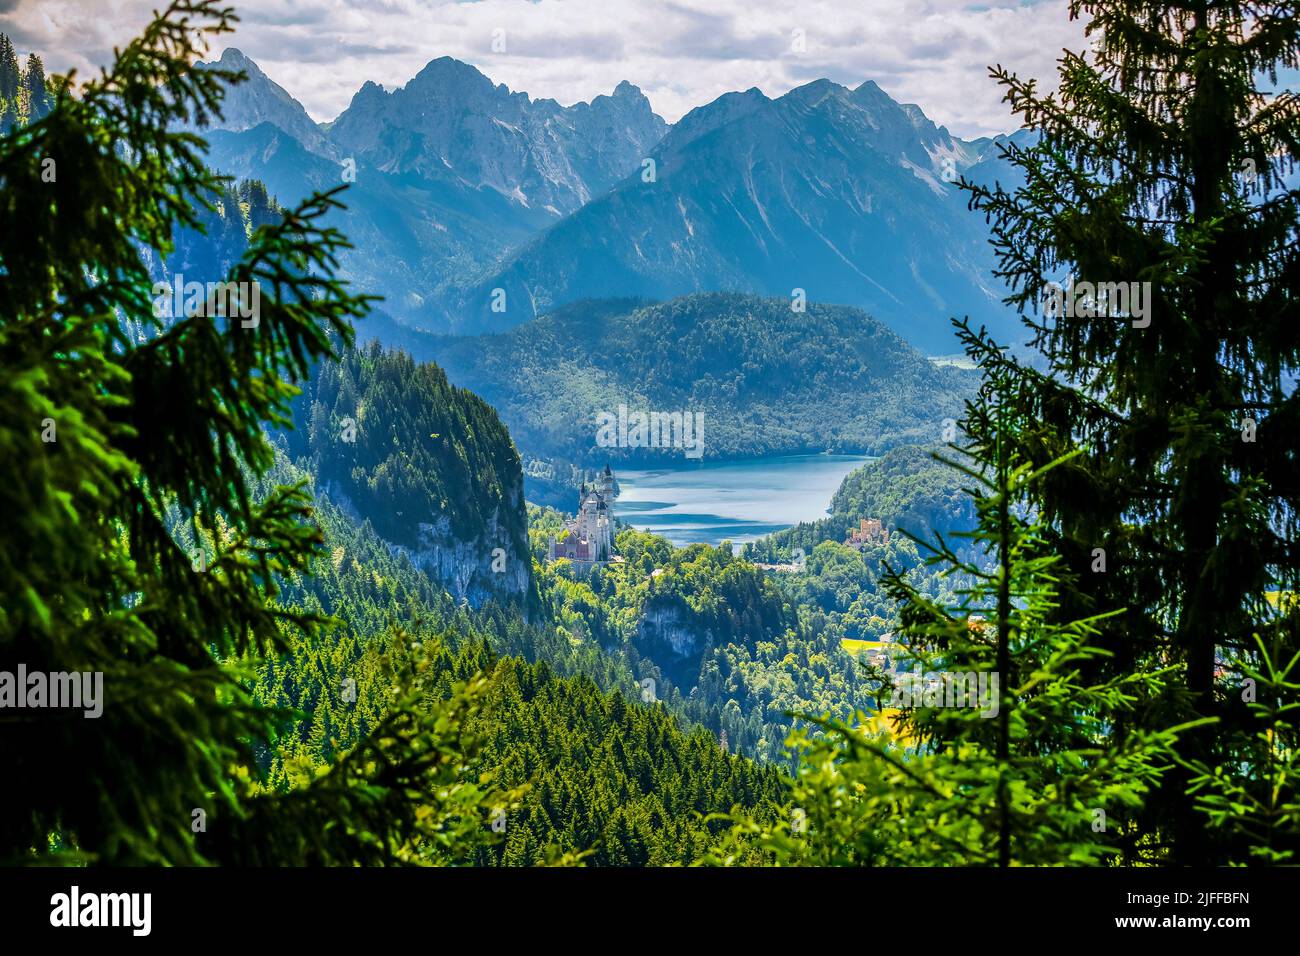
(34, 92)
(997, 749)
(9, 74)
(1162, 165)
(110, 443)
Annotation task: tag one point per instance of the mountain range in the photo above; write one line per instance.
(474, 208)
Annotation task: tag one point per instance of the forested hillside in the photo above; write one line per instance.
(430, 466)
(907, 490)
(591, 767)
(619, 782)
(768, 379)
(724, 645)
(578, 761)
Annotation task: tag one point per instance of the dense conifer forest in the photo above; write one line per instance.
(767, 379)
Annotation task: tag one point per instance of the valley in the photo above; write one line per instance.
(581, 488)
(446, 448)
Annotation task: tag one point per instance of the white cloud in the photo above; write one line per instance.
(682, 53)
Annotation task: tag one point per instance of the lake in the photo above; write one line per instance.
(731, 500)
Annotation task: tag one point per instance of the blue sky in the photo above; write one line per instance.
(681, 53)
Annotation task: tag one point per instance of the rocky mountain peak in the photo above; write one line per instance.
(452, 120)
(233, 58)
(447, 76)
(259, 99)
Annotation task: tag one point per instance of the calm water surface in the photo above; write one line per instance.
(733, 500)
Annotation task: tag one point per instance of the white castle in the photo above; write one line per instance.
(589, 537)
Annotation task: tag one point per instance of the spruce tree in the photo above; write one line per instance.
(136, 545)
(995, 748)
(9, 75)
(1161, 164)
(34, 92)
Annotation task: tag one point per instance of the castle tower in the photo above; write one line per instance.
(589, 537)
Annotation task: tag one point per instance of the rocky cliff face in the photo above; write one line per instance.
(429, 466)
(489, 567)
(446, 175)
(669, 634)
(495, 565)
